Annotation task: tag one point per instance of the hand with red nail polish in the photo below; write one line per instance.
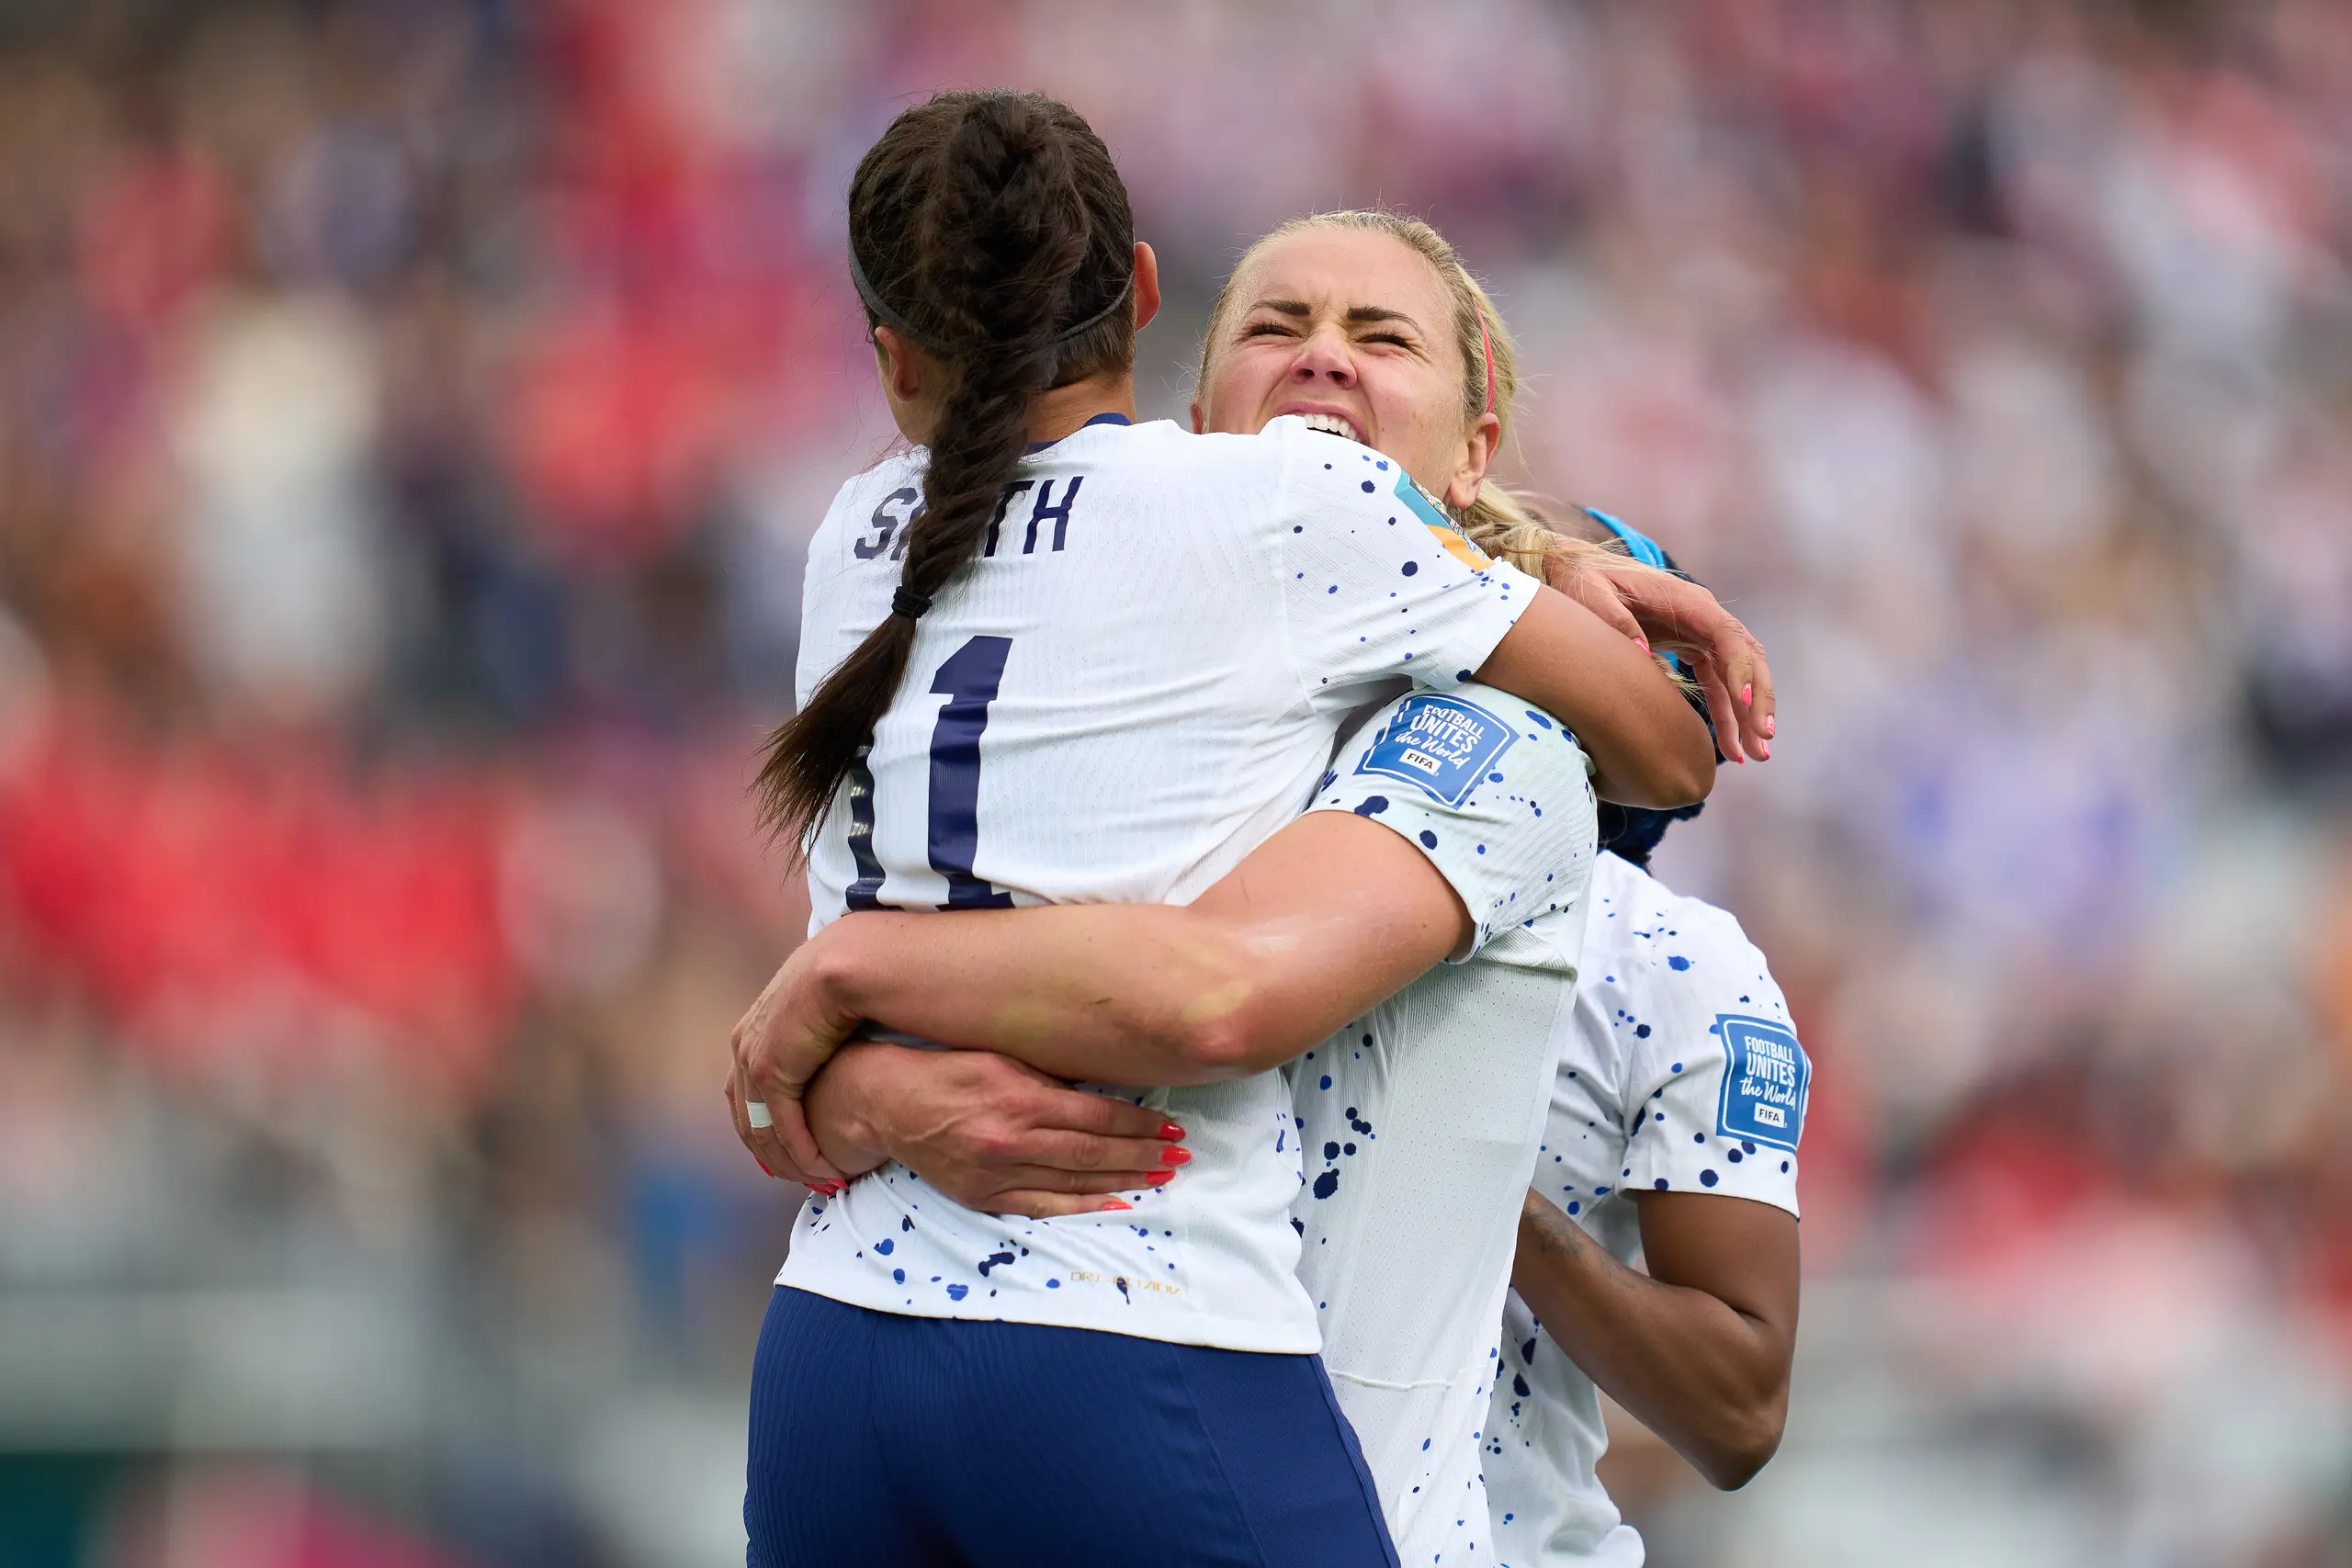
(992, 1133)
(1669, 613)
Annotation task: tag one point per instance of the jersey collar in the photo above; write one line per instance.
(1038, 446)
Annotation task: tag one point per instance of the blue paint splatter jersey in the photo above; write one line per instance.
(1420, 1121)
(1138, 680)
(1682, 1074)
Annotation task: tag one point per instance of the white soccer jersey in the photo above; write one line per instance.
(1682, 1074)
(1420, 1122)
(1138, 680)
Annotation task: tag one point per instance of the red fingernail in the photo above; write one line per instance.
(763, 1165)
(1175, 1156)
(1747, 694)
(1172, 1133)
(1771, 725)
(1118, 1203)
(1158, 1177)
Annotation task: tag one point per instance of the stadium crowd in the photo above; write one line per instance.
(411, 416)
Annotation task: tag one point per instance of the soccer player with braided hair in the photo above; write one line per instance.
(1053, 658)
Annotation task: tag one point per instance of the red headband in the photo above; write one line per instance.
(1485, 347)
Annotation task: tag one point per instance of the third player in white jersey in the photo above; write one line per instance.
(1682, 1073)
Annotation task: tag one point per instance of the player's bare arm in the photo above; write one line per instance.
(1673, 615)
(1647, 747)
(1321, 922)
(1697, 1349)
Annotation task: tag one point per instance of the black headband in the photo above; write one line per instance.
(904, 328)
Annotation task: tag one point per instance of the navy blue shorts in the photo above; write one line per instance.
(886, 1441)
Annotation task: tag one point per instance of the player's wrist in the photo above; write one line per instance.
(835, 964)
(848, 1106)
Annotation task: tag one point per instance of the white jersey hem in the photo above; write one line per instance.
(1210, 1333)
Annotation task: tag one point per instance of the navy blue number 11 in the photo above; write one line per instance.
(969, 680)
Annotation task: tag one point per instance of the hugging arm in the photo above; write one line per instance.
(1699, 1348)
(1321, 922)
(1669, 613)
(1447, 819)
(1647, 748)
(990, 1133)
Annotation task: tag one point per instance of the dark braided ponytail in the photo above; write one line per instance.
(992, 231)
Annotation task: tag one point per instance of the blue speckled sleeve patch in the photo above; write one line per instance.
(1440, 744)
(1496, 795)
(1765, 1079)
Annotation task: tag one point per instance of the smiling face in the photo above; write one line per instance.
(1355, 331)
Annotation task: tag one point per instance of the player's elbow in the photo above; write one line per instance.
(1223, 1029)
(1677, 777)
(1214, 1048)
(1249, 1021)
(1234, 1045)
(1740, 1443)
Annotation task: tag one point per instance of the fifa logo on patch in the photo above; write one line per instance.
(1442, 744)
(1765, 1081)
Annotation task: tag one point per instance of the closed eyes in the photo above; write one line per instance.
(1389, 339)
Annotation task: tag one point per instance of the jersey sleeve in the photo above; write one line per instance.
(1496, 795)
(1371, 589)
(1717, 1081)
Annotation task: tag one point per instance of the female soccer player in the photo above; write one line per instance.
(1333, 320)
(1145, 641)
(1676, 1111)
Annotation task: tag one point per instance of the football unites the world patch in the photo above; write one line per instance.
(1442, 744)
(1765, 1081)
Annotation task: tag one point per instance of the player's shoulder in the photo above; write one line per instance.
(1223, 479)
(896, 470)
(893, 485)
(1242, 458)
(1644, 915)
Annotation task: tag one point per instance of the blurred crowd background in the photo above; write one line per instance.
(412, 413)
